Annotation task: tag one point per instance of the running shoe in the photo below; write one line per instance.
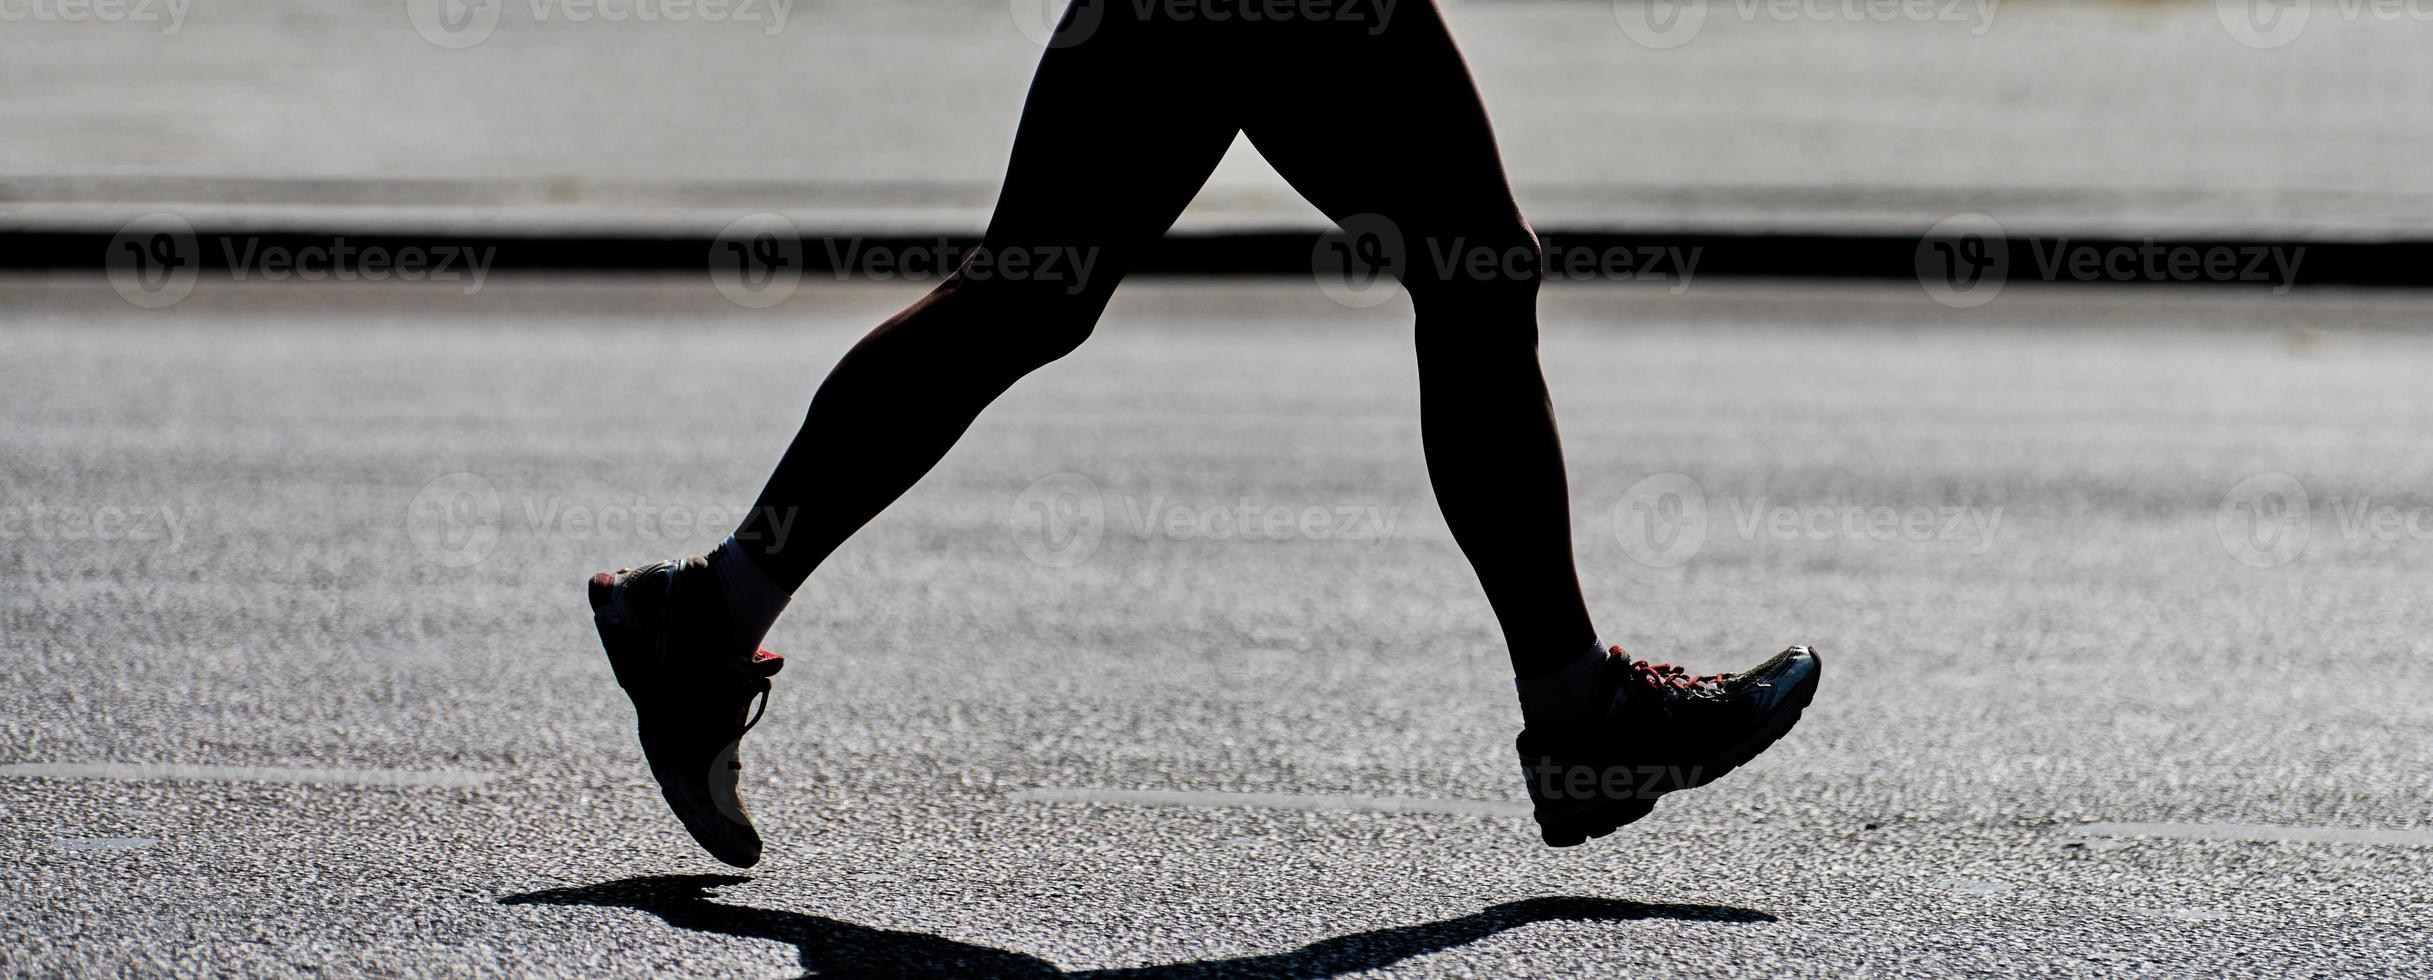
(661, 626)
(1663, 731)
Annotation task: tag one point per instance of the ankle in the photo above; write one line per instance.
(752, 600)
(1570, 692)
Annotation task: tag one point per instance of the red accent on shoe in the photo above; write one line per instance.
(766, 663)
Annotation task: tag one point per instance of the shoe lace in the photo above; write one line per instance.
(1669, 681)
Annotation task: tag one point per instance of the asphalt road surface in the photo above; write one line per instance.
(1172, 666)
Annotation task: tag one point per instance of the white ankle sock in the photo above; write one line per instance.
(1566, 695)
(751, 598)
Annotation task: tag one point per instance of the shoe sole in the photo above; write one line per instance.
(1573, 832)
(613, 637)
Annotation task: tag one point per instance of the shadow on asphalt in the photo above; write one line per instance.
(834, 947)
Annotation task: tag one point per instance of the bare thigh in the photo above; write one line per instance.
(1388, 123)
(1119, 132)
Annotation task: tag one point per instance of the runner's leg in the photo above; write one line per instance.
(1119, 132)
(1388, 123)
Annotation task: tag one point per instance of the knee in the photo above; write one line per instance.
(1478, 295)
(1021, 325)
(1497, 269)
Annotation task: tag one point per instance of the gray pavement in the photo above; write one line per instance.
(2109, 706)
(877, 116)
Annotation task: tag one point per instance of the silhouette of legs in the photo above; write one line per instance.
(1120, 130)
(1118, 134)
(1396, 130)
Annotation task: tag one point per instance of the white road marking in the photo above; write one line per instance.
(1273, 801)
(140, 771)
(2258, 832)
(1974, 886)
(109, 843)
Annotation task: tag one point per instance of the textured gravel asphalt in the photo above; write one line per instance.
(2125, 669)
